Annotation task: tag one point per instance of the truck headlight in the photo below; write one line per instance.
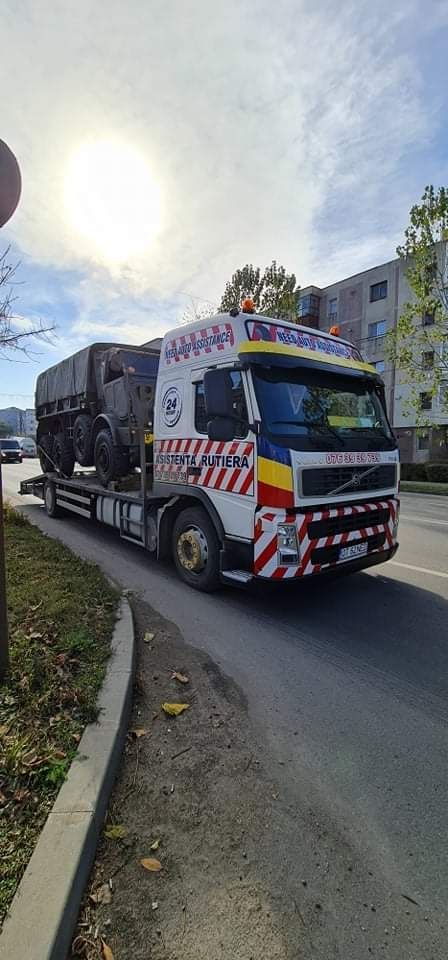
(287, 544)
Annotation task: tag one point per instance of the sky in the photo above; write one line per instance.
(213, 135)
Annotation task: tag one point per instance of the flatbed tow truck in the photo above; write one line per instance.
(271, 458)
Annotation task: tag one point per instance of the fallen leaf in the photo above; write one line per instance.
(102, 895)
(181, 677)
(148, 637)
(150, 863)
(174, 709)
(106, 951)
(155, 905)
(115, 831)
(138, 732)
(155, 845)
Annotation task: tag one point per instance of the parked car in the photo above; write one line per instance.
(27, 446)
(10, 451)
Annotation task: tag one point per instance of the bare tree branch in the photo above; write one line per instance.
(14, 338)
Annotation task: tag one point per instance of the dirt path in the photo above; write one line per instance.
(247, 873)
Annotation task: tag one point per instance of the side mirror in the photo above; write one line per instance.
(219, 405)
(218, 394)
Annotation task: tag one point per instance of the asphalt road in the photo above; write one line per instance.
(347, 682)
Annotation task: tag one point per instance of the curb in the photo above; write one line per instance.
(43, 914)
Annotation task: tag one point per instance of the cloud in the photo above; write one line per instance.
(286, 131)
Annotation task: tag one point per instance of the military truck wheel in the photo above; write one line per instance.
(63, 454)
(196, 549)
(45, 445)
(110, 461)
(83, 440)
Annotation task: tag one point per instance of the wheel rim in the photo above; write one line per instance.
(104, 458)
(192, 550)
(49, 498)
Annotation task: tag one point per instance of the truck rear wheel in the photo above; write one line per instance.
(83, 440)
(51, 506)
(63, 454)
(196, 549)
(110, 461)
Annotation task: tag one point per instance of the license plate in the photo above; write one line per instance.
(354, 550)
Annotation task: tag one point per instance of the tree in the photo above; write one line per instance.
(273, 292)
(419, 343)
(5, 429)
(15, 337)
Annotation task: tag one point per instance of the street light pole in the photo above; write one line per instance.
(10, 188)
(4, 641)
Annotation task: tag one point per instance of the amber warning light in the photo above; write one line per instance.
(248, 305)
(335, 331)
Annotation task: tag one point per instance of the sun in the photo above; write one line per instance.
(112, 199)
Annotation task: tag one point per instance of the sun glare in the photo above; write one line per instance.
(112, 199)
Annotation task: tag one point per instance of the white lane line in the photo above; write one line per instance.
(422, 519)
(408, 566)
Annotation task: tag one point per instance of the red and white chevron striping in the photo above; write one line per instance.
(266, 562)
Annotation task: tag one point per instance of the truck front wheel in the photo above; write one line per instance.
(196, 549)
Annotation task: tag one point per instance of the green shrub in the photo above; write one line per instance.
(437, 472)
(413, 471)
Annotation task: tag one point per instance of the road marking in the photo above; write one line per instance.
(422, 519)
(408, 566)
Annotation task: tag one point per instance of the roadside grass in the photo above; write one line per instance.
(61, 616)
(422, 486)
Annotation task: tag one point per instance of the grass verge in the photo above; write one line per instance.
(61, 616)
(421, 486)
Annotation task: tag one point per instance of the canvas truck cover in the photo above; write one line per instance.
(74, 375)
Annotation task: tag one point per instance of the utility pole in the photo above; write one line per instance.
(10, 189)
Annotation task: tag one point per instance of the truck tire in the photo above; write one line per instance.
(45, 445)
(195, 547)
(52, 508)
(63, 454)
(110, 461)
(83, 440)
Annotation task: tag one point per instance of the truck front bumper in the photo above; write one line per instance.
(291, 544)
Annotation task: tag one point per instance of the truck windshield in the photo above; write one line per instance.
(312, 410)
(137, 363)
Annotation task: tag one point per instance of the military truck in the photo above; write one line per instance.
(86, 409)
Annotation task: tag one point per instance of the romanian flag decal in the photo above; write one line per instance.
(275, 483)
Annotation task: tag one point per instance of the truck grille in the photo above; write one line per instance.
(321, 481)
(331, 554)
(353, 521)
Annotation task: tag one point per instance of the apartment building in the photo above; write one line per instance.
(22, 422)
(366, 306)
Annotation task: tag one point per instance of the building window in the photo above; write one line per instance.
(239, 406)
(428, 360)
(443, 396)
(423, 441)
(308, 306)
(427, 319)
(377, 329)
(379, 365)
(425, 401)
(333, 308)
(378, 291)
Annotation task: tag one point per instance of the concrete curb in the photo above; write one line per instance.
(41, 920)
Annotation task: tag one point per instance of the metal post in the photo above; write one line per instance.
(4, 642)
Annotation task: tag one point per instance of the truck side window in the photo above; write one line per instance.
(239, 405)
